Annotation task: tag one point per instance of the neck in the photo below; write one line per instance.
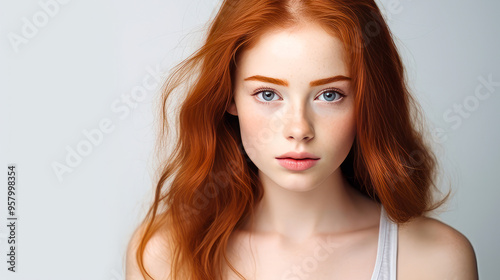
(298, 215)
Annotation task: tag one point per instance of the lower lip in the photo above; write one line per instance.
(297, 164)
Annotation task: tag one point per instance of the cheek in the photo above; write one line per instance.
(341, 132)
(256, 134)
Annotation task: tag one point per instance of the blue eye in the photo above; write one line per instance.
(268, 95)
(330, 95)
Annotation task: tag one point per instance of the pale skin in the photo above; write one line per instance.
(300, 208)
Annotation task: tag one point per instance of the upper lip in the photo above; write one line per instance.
(296, 155)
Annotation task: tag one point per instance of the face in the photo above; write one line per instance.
(287, 101)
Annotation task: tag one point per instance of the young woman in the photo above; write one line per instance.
(298, 156)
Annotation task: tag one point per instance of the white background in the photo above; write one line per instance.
(72, 71)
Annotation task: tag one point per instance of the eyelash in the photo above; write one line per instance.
(337, 91)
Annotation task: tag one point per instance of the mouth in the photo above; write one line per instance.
(297, 158)
(295, 164)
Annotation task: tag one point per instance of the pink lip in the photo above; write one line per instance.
(297, 164)
(296, 155)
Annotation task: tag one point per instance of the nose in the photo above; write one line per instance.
(299, 126)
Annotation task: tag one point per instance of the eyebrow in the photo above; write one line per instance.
(285, 82)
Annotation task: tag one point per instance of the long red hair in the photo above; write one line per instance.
(207, 184)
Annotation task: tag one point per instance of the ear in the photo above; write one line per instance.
(232, 109)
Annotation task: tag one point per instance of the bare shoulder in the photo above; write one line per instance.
(431, 249)
(156, 258)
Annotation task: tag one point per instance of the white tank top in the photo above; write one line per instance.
(385, 264)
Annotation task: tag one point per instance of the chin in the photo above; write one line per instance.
(296, 185)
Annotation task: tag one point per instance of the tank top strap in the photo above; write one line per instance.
(386, 262)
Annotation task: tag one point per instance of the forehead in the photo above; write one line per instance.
(305, 51)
